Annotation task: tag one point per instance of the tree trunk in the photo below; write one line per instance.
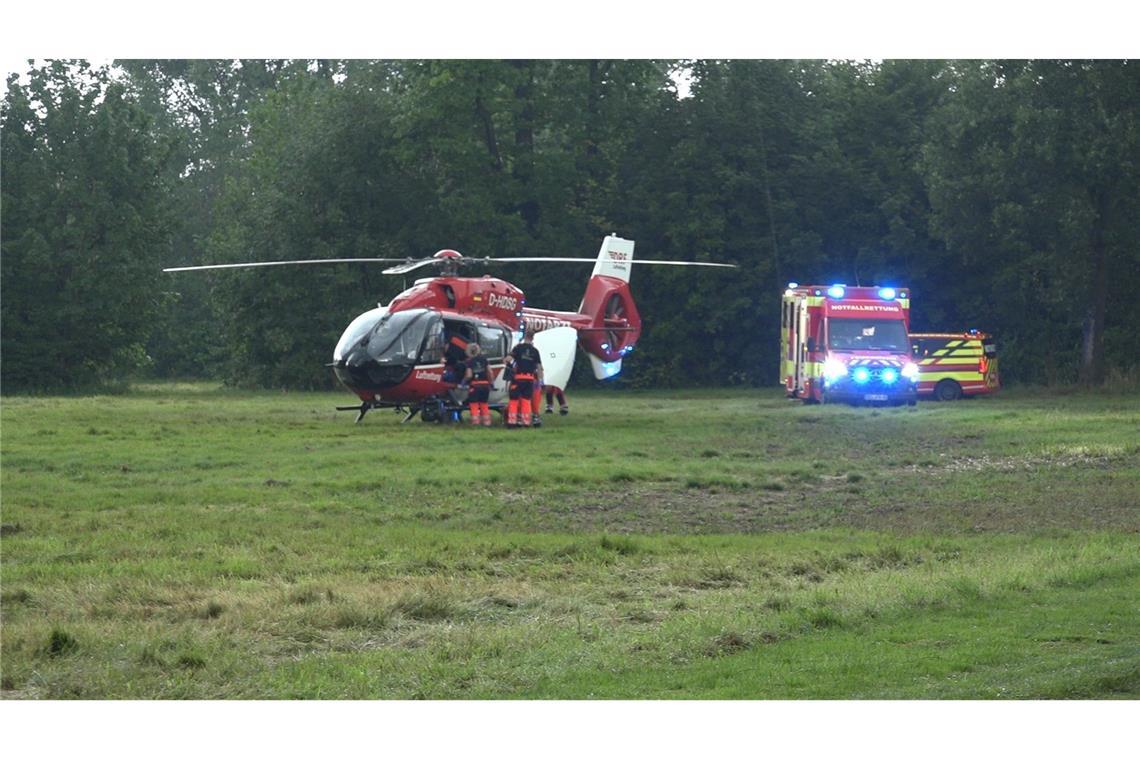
(1092, 335)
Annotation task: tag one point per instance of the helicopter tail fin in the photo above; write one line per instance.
(615, 324)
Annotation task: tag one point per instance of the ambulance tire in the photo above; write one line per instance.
(947, 390)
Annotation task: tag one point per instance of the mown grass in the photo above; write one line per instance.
(188, 542)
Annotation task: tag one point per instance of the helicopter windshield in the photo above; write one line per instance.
(399, 337)
(357, 329)
(392, 337)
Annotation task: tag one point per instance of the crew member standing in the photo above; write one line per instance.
(479, 378)
(526, 363)
(563, 407)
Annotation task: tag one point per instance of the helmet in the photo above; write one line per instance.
(472, 349)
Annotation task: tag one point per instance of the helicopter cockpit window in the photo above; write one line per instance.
(434, 344)
(357, 330)
(493, 342)
(399, 336)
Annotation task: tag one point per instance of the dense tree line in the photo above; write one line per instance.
(1005, 194)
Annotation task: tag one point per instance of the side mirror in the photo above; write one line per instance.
(811, 344)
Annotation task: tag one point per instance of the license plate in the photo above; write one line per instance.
(875, 397)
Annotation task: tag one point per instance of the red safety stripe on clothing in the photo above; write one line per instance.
(524, 377)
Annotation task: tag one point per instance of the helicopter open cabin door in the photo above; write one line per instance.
(557, 347)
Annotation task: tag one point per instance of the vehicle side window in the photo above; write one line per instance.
(493, 342)
(927, 346)
(989, 347)
(433, 345)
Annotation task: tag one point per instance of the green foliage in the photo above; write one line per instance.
(1003, 193)
(86, 221)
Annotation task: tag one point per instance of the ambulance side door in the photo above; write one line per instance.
(802, 326)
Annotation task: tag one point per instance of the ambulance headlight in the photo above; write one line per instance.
(861, 375)
(910, 371)
(834, 369)
(889, 376)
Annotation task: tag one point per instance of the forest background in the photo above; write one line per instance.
(1003, 193)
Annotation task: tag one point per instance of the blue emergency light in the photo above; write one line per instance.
(889, 376)
(861, 375)
(887, 294)
(836, 291)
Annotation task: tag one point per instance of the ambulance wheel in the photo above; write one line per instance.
(947, 390)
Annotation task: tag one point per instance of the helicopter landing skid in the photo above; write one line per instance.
(360, 410)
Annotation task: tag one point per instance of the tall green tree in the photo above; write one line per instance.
(1033, 174)
(202, 107)
(86, 221)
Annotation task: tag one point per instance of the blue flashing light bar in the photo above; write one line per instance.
(793, 284)
(861, 375)
(887, 294)
(836, 291)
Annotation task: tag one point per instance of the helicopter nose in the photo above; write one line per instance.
(357, 370)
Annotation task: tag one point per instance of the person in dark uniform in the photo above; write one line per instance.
(479, 378)
(454, 356)
(526, 365)
(454, 372)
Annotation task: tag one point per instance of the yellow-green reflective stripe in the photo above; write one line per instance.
(935, 376)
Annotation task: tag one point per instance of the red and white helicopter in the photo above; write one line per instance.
(393, 356)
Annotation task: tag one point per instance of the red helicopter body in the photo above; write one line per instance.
(393, 356)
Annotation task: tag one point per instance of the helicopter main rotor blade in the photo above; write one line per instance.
(408, 266)
(279, 264)
(684, 263)
(635, 261)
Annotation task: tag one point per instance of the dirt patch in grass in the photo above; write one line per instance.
(945, 500)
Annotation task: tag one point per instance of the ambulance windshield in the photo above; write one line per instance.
(867, 335)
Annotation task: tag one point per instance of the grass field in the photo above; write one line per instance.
(182, 541)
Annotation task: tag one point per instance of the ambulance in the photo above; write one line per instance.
(954, 365)
(847, 344)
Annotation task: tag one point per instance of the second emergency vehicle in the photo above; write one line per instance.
(953, 365)
(848, 344)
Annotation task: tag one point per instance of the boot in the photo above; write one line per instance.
(565, 410)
